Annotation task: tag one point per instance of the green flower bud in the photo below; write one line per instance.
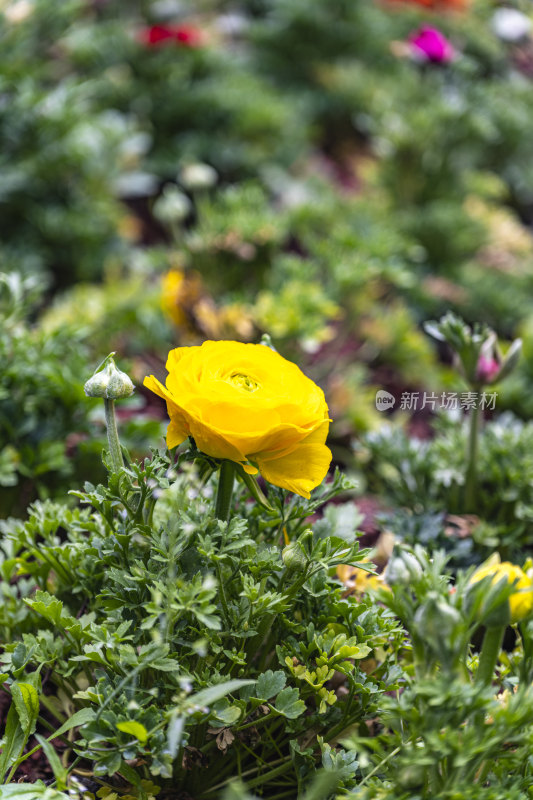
(109, 382)
(403, 568)
(293, 555)
(412, 776)
(436, 620)
(294, 558)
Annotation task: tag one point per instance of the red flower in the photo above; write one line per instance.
(186, 35)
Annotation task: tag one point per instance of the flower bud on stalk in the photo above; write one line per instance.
(435, 622)
(110, 384)
(293, 555)
(478, 358)
(403, 568)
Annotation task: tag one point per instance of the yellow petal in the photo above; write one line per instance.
(178, 429)
(299, 471)
(176, 433)
(284, 447)
(249, 469)
(212, 444)
(155, 386)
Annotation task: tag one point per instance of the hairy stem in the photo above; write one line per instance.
(112, 435)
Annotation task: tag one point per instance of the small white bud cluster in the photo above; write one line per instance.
(109, 383)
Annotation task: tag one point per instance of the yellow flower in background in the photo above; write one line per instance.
(358, 580)
(185, 300)
(246, 403)
(180, 292)
(521, 600)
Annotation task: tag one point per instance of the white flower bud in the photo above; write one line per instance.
(109, 383)
(172, 206)
(198, 176)
(510, 24)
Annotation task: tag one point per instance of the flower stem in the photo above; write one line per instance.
(225, 490)
(492, 642)
(471, 470)
(112, 435)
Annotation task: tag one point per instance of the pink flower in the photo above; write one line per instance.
(186, 35)
(487, 369)
(429, 44)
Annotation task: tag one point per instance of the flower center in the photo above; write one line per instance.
(244, 382)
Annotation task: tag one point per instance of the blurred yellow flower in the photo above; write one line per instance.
(179, 293)
(358, 580)
(246, 403)
(521, 600)
(185, 300)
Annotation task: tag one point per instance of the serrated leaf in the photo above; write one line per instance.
(19, 656)
(289, 704)
(353, 651)
(209, 620)
(47, 606)
(269, 684)
(135, 729)
(26, 700)
(15, 740)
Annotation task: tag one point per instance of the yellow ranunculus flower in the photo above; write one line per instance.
(521, 600)
(246, 403)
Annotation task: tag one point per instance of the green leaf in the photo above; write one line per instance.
(353, 651)
(289, 704)
(81, 717)
(209, 620)
(229, 716)
(208, 696)
(47, 606)
(60, 771)
(15, 740)
(175, 731)
(20, 724)
(19, 656)
(30, 791)
(26, 700)
(269, 684)
(324, 783)
(135, 729)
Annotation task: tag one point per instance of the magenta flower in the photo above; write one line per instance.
(429, 44)
(487, 369)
